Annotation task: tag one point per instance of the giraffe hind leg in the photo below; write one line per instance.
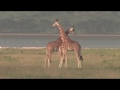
(49, 59)
(61, 61)
(45, 62)
(60, 64)
(78, 59)
(46, 58)
(65, 58)
(48, 62)
(61, 57)
(65, 61)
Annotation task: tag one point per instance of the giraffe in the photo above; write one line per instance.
(54, 46)
(68, 44)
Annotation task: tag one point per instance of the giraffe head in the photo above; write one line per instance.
(72, 30)
(55, 23)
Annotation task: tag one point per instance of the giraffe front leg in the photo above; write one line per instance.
(61, 61)
(61, 55)
(65, 60)
(60, 64)
(48, 62)
(64, 57)
(45, 62)
(49, 59)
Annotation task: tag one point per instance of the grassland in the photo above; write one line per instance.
(97, 64)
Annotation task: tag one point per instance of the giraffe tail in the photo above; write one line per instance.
(81, 58)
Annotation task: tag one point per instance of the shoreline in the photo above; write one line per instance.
(45, 47)
(58, 34)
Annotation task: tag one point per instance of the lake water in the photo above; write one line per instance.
(42, 40)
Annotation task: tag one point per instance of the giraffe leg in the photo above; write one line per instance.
(46, 58)
(65, 60)
(60, 64)
(64, 57)
(79, 62)
(61, 60)
(49, 60)
(78, 59)
(61, 56)
(45, 62)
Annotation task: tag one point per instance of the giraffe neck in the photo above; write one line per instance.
(62, 33)
(66, 32)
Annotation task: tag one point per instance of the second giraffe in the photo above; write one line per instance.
(68, 44)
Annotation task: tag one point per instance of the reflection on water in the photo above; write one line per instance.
(42, 40)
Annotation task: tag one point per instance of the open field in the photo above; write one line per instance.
(29, 64)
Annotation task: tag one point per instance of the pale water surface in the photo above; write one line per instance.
(42, 40)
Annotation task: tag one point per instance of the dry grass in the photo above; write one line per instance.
(98, 63)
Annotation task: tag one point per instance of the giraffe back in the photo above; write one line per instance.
(54, 45)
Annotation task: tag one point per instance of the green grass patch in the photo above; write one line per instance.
(29, 63)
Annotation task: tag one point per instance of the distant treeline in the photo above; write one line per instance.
(85, 22)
